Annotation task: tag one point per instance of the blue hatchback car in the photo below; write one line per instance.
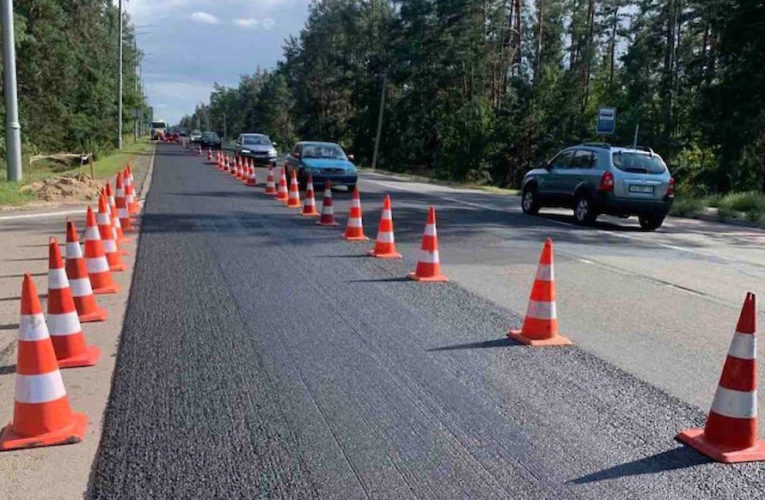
(324, 161)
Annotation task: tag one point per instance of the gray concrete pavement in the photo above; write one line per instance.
(61, 471)
(265, 356)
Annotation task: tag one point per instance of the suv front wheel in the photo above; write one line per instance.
(584, 212)
(529, 203)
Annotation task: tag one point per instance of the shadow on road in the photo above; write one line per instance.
(677, 458)
(382, 280)
(22, 274)
(486, 344)
(10, 326)
(7, 370)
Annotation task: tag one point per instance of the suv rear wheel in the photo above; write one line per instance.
(529, 203)
(584, 212)
(650, 222)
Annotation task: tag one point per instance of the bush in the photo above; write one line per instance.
(687, 206)
(751, 203)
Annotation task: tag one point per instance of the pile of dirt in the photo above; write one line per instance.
(65, 188)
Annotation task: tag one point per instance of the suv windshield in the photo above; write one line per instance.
(641, 163)
(256, 140)
(210, 135)
(323, 151)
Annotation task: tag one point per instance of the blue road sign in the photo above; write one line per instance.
(606, 121)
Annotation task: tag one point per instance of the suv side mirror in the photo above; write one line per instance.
(350, 156)
(274, 144)
(296, 155)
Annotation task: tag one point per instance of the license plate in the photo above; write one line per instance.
(639, 188)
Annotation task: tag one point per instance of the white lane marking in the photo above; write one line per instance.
(40, 215)
(586, 261)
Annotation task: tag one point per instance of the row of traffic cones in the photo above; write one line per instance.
(42, 415)
(730, 434)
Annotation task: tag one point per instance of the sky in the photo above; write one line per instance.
(189, 45)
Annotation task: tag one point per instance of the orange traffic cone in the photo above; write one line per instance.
(77, 272)
(111, 211)
(224, 163)
(730, 434)
(281, 193)
(354, 231)
(245, 172)
(121, 238)
(294, 195)
(270, 185)
(309, 207)
(540, 325)
(385, 244)
(65, 330)
(209, 154)
(122, 210)
(130, 203)
(107, 236)
(251, 180)
(429, 265)
(327, 212)
(95, 259)
(134, 207)
(199, 150)
(41, 412)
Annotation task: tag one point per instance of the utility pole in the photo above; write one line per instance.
(12, 126)
(135, 75)
(379, 121)
(119, 121)
(225, 134)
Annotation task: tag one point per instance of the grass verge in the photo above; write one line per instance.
(748, 206)
(105, 167)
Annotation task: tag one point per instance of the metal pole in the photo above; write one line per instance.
(12, 126)
(634, 142)
(119, 121)
(225, 134)
(379, 121)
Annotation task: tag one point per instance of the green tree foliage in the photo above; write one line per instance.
(66, 59)
(484, 90)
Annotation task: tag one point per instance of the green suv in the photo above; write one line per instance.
(597, 178)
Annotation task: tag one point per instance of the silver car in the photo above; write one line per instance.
(256, 146)
(597, 178)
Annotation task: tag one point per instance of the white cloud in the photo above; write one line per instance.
(251, 22)
(204, 17)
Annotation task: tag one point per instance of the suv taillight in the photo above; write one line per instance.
(607, 182)
(671, 187)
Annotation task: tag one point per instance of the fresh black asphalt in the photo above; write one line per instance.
(263, 356)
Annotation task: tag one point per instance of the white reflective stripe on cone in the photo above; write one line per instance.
(97, 264)
(109, 246)
(73, 250)
(102, 219)
(541, 310)
(545, 272)
(429, 257)
(385, 237)
(64, 324)
(92, 233)
(430, 230)
(81, 287)
(743, 346)
(120, 193)
(355, 203)
(32, 327)
(735, 404)
(122, 212)
(40, 388)
(111, 202)
(116, 222)
(354, 222)
(386, 214)
(57, 279)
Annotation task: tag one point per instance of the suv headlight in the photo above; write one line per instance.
(245, 151)
(272, 152)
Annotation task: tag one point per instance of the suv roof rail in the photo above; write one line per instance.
(645, 148)
(597, 144)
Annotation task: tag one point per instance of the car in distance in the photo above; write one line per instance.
(210, 140)
(324, 161)
(256, 146)
(195, 136)
(597, 178)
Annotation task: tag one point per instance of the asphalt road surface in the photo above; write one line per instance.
(265, 356)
